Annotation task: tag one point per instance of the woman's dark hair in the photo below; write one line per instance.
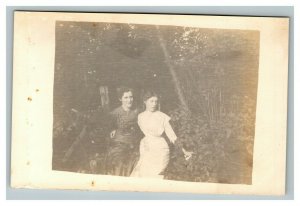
(149, 94)
(122, 90)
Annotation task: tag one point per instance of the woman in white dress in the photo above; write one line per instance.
(154, 150)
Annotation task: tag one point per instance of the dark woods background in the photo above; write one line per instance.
(207, 79)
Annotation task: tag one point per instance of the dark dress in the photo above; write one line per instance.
(123, 151)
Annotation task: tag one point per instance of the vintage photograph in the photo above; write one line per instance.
(150, 103)
(155, 101)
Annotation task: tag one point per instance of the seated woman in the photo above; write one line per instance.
(123, 151)
(154, 150)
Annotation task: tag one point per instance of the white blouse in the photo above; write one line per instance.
(153, 124)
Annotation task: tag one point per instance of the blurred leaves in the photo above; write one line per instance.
(223, 148)
(87, 153)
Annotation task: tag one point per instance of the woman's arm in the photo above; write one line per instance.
(112, 119)
(169, 131)
(172, 137)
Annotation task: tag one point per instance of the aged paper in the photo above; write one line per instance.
(220, 81)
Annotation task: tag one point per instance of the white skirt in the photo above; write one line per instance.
(154, 158)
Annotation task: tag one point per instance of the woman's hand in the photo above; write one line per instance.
(187, 155)
(112, 134)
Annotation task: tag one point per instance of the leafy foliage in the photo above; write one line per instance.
(222, 147)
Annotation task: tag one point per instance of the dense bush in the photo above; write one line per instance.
(81, 141)
(222, 149)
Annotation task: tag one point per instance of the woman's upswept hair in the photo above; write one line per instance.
(122, 90)
(148, 94)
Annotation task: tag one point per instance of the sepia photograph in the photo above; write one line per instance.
(149, 102)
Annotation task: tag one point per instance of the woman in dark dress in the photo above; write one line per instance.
(123, 152)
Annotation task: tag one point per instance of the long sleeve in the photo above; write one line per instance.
(112, 119)
(169, 131)
(171, 134)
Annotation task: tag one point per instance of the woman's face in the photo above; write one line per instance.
(151, 104)
(127, 99)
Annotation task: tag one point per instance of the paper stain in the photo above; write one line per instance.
(93, 183)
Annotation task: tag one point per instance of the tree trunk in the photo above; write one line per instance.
(171, 69)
